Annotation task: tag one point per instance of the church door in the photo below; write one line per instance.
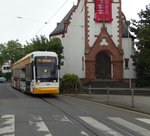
(103, 66)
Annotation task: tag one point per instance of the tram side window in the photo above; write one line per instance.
(28, 72)
(16, 73)
(22, 74)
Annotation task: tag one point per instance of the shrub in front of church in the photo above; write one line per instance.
(69, 83)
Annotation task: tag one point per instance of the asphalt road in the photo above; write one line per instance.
(59, 115)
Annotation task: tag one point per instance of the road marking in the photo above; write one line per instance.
(61, 118)
(94, 123)
(7, 128)
(65, 119)
(147, 121)
(37, 123)
(83, 133)
(131, 126)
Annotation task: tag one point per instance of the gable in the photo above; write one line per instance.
(60, 26)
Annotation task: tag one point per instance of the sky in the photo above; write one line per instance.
(24, 19)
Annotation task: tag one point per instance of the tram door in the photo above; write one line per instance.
(103, 66)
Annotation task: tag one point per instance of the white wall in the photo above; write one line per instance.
(6, 68)
(114, 27)
(127, 46)
(95, 28)
(73, 43)
(74, 40)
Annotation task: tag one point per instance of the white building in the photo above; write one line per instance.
(96, 41)
(6, 68)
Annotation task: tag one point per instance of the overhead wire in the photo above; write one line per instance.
(23, 18)
(36, 20)
(52, 16)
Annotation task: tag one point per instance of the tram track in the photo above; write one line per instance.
(69, 115)
(72, 115)
(79, 122)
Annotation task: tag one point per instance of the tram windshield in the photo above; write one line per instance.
(46, 69)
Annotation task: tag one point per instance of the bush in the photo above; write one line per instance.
(69, 82)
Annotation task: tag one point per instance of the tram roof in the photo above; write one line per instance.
(36, 53)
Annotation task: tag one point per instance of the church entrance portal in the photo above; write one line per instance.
(103, 66)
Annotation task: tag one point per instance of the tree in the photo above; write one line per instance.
(11, 51)
(56, 46)
(141, 29)
(43, 44)
(37, 44)
(2, 46)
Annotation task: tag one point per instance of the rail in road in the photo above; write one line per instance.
(86, 123)
(59, 115)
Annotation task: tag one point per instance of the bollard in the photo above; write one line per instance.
(89, 90)
(107, 94)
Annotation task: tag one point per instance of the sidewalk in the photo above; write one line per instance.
(135, 103)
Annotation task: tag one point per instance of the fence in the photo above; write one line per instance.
(111, 95)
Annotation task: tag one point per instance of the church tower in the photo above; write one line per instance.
(96, 41)
(103, 39)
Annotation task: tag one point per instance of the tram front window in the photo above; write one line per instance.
(46, 69)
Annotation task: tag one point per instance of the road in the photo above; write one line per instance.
(60, 115)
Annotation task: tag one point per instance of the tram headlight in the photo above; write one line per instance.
(38, 81)
(54, 81)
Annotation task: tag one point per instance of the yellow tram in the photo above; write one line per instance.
(37, 73)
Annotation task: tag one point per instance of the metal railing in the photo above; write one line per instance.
(117, 91)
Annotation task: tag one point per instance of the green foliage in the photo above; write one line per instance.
(43, 44)
(144, 20)
(2, 47)
(38, 44)
(69, 82)
(142, 64)
(6, 75)
(141, 29)
(11, 51)
(56, 46)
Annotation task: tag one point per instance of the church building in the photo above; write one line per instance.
(96, 41)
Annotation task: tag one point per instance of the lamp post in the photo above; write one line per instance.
(129, 54)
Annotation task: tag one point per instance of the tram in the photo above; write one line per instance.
(36, 73)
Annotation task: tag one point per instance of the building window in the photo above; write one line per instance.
(126, 61)
(7, 68)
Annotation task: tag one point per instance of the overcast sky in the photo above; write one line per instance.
(23, 19)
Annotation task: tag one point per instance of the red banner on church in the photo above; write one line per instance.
(103, 10)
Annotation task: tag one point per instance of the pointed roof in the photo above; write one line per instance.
(60, 26)
(125, 30)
